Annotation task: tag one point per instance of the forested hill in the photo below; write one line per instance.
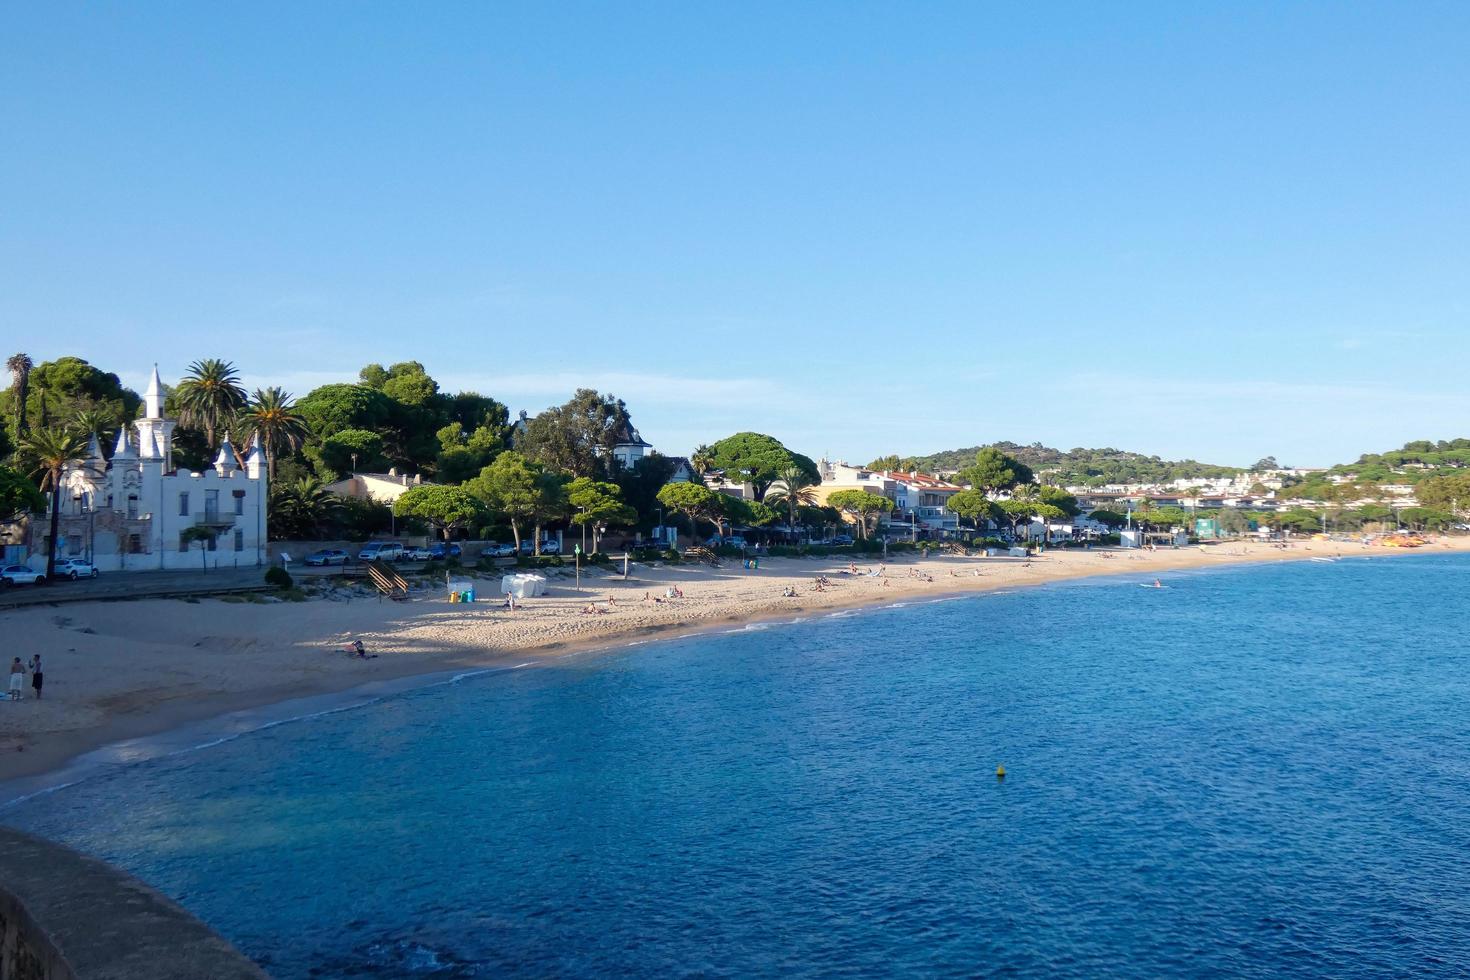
(1084, 467)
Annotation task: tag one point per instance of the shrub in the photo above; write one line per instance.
(544, 561)
(278, 577)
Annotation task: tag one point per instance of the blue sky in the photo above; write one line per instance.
(1219, 232)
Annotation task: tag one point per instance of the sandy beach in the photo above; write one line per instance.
(121, 670)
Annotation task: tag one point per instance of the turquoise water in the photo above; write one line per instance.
(1258, 772)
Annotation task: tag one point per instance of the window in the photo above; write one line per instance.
(183, 505)
(183, 542)
(73, 544)
(239, 537)
(133, 507)
(212, 542)
(135, 544)
(239, 503)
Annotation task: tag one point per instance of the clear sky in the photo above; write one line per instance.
(1218, 232)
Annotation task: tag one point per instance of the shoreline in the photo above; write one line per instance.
(167, 698)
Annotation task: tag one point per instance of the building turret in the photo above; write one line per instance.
(153, 397)
(94, 451)
(124, 447)
(155, 433)
(255, 459)
(225, 462)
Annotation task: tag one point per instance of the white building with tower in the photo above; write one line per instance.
(131, 512)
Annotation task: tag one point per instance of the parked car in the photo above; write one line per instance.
(507, 550)
(418, 553)
(328, 556)
(439, 552)
(75, 568)
(842, 539)
(550, 546)
(381, 551)
(21, 575)
(733, 541)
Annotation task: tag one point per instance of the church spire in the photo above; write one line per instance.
(153, 397)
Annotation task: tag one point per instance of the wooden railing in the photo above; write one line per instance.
(387, 580)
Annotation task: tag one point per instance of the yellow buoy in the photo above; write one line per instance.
(1000, 772)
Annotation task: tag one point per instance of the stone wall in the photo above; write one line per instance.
(66, 916)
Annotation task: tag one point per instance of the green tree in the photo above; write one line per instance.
(993, 471)
(1111, 518)
(210, 396)
(702, 459)
(862, 505)
(1448, 492)
(510, 486)
(1426, 518)
(302, 509)
(272, 415)
(696, 502)
(20, 367)
(1234, 521)
(598, 505)
(334, 408)
(794, 488)
(18, 496)
(445, 509)
(759, 460)
(203, 535)
(51, 452)
(1017, 510)
(976, 507)
(1060, 499)
(579, 436)
(350, 450)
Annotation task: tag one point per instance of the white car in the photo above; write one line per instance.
(75, 568)
(418, 553)
(21, 575)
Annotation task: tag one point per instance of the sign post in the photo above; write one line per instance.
(577, 553)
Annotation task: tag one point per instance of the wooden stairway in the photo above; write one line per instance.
(387, 581)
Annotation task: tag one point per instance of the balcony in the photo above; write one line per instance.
(212, 517)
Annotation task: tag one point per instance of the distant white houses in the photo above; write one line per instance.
(131, 512)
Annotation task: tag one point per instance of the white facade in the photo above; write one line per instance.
(127, 514)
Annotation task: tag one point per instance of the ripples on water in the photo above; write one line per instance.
(1258, 772)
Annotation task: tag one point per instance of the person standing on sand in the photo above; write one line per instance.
(17, 676)
(36, 678)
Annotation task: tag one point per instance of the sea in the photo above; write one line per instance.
(1252, 772)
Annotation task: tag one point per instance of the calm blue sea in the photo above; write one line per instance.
(1256, 772)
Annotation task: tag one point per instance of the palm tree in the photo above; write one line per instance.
(272, 416)
(52, 451)
(20, 366)
(793, 487)
(93, 421)
(301, 509)
(209, 396)
(703, 460)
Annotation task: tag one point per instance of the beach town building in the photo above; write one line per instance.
(920, 500)
(131, 512)
(384, 488)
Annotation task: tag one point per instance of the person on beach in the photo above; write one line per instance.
(36, 678)
(17, 678)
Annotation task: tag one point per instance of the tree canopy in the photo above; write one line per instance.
(862, 505)
(445, 509)
(577, 437)
(993, 471)
(759, 460)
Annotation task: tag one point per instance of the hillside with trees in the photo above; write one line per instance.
(1077, 467)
